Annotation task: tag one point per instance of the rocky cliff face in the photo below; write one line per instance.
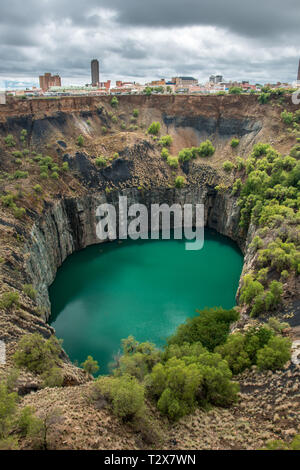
(224, 116)
(69, 224)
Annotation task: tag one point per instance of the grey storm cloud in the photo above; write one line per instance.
(256, 40)
(252, 18)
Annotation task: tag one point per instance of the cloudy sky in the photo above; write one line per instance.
(257, 40)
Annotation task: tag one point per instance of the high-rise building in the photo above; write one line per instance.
(95, 72)
(298, 77)
(219, 79)
(216, 79)
(47, 80)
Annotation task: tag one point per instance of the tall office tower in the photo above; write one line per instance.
(298, 78)
(95, 72)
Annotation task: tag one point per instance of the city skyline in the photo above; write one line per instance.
(255, 42)
(95, 80)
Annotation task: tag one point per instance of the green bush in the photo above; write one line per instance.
(9, 300)
(233, 351)
(218, 389)
(165, 154)
(210, 327)
(280, 255)
(268, 300)
(228, 166)
(256, 243)
(9, 141)
(180, 384)
(276, 325)
(166, 141)
(90, 365)
(154, 128)
(20, 174)
(137, 360)
(264, 98)
(8, 200)
(19, 212)
(180, 182)
(173, 162)
(38, 189)
(37, 354)
(295, 152)
(52, 378)
(46, 162)
(234, 90)
(114, 102)
(101, 161)
(125, 394)
(236, 188)
(80, 141)
(185, 155)
(65, 166)
(253, 294)
(104, 129)
(28, 424)
(240, 163)
(175, 384)
(297, 116)
(235, 142)
(135, 113)
(241, 350)
(30, 291)
(17, 154)
(287, 117)
(206, 149)
(275, 354)
(8, 408)
(148, 91)
(250, 289)
(281, 445)
(262, 275)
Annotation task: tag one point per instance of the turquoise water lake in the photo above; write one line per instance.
(142, 288)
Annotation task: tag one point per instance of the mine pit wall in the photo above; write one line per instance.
(224, 116)
(69, 225)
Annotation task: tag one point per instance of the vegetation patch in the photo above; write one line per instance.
(40, 356)
(195, 368)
